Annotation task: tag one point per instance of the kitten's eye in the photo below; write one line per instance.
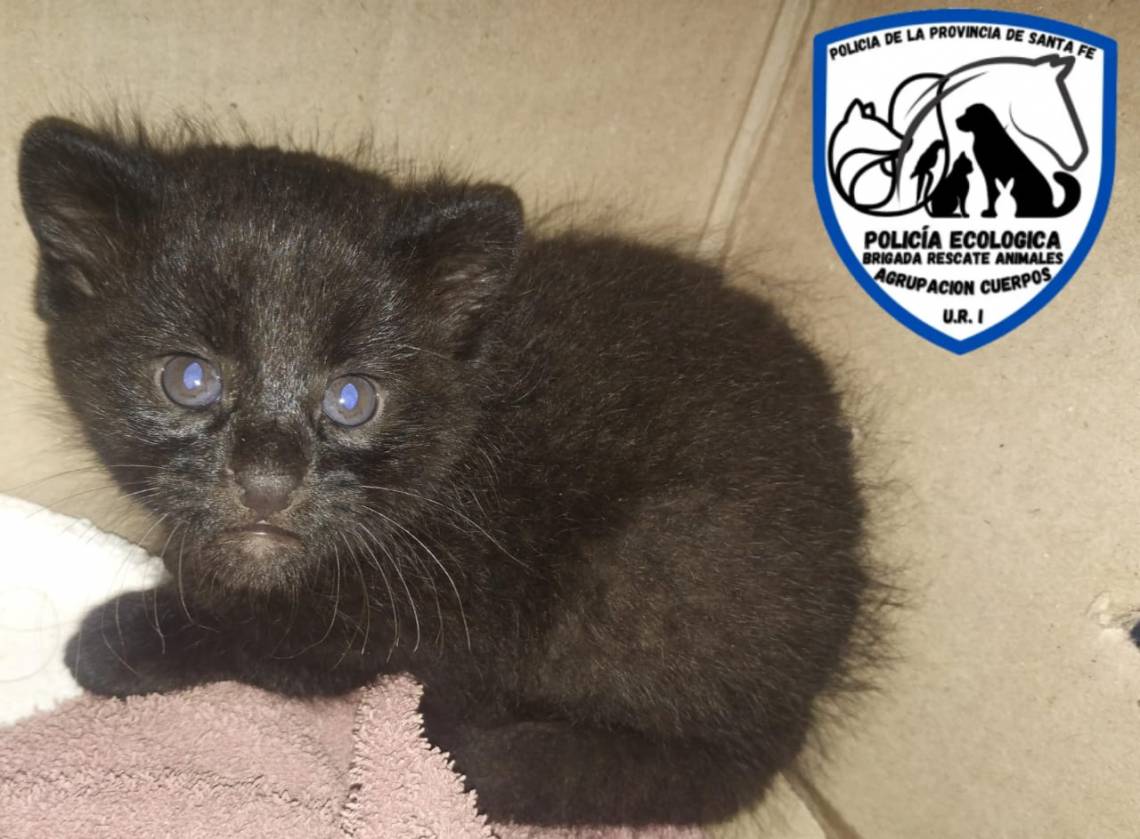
(191, 381)
(350, 400)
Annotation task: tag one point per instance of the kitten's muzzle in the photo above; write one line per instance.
(266, 493)
(268, 463)
(269, 532)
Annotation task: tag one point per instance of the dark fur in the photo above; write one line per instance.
(621, 538)
(1000, 159)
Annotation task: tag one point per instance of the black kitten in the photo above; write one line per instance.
(601, 505)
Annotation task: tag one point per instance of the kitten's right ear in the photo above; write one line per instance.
(85, 196)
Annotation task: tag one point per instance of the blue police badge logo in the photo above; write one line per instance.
(963, 162)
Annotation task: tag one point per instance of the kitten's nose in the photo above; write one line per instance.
(268, 463)
(266, 493)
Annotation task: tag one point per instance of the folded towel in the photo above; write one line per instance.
(221, 760)
(227, 760)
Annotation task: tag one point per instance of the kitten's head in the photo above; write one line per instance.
(256, 341)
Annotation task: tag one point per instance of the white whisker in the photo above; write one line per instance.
(459, 513)
(442, 567)
(403, 581)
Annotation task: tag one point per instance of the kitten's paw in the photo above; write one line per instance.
(128, 646)
(97, 664)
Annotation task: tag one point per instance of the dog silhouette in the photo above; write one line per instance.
(1002, 161)
(949, 198)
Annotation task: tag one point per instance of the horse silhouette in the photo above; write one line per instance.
(868, 155)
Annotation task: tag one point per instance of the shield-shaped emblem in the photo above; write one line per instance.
(963, 162)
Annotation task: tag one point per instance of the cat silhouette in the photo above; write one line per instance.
(1002, 161)
(861, 156)
(949, 198)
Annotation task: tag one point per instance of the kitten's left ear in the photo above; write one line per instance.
(85, 195)
(458, 245)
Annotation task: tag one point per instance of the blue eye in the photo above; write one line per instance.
(350, 400)
(193, 376)
(191, 382)
(349, 397)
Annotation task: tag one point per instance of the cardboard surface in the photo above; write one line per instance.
(1011, 508)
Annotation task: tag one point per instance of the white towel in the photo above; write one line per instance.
(53, 569)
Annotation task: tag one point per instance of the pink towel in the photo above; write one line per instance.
(226, 760)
